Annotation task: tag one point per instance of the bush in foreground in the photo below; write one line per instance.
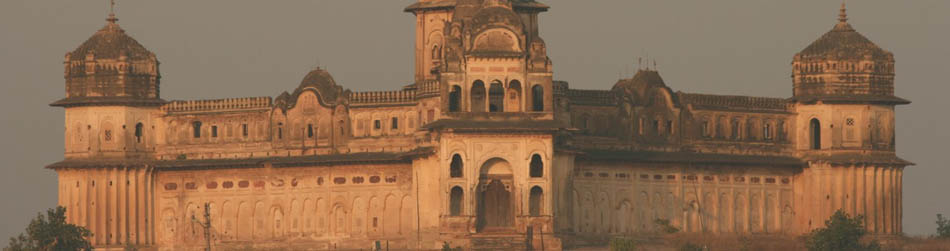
(841, 233)
(623, 244)
(691, 247)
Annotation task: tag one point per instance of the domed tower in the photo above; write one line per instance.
(844, 101)
(111, 68)
(844, 65)
(112, 84)
(112, 107)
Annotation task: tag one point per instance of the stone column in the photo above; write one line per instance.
(860, 184)
(892, 200)
(879, 199)
(112, 206)
(900, 200)
(84, 200)
(101, 204)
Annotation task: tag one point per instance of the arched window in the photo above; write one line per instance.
(537, 167)
(767, 131)
(534, 206)
(455, 168)
(815, 131)
(496, 97)
(582, 122)
(780, 130)
(455, 201)
(309, 130)
(478, 96)
(721, 127)
(196, 129)
(704, 129)
(138, 133)
(436, 52)
(455, 99)
(514, 96)
(736, 129)
(537, 98)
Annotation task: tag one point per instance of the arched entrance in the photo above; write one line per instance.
(495, 207)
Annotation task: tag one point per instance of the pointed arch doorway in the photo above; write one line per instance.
(495, 192)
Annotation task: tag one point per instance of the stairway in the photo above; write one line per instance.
(513, 242)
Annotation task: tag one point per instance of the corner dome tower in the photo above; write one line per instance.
(844, 66)
(111, 68)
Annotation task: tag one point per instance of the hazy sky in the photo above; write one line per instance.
(230, 48)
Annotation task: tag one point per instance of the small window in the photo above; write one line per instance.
(640, 127)
(767, 131)
(534, 204)
(656, 126)
(244, 130)
(537, 167)
(704, 129)
(537, 98)
(815, 131)
(196, 129)
(455, 201)
(395, 124)
(309, 130)
(214, 131)
(377, 124)
(669, 127)
(736, 129)
(280, 130)
(138, 133)
(456, 167)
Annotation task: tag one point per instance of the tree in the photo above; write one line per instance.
(943, 226)
(51, 233)
(841, 233)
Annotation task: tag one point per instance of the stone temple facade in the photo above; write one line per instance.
(483, 150)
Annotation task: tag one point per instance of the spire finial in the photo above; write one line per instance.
(112, 18)
(843, 15)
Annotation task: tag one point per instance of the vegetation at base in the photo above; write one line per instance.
(446, 247)
(51, 232)
(691, 247)
(841, 233)
(663, 225)
(943, 227)
(623, 244)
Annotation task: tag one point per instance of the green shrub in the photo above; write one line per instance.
(446, 247)
(623, 244)
(691, 247)
(841, 233)
(663, 225)
(943, 226)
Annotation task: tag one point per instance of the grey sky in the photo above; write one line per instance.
(228, 48)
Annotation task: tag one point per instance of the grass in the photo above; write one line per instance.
(715, 242)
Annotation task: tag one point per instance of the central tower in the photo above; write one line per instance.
(486, 55)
